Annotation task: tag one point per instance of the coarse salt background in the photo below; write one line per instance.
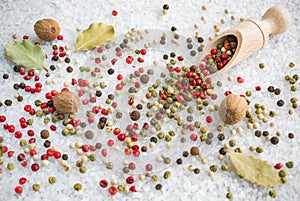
(18, 17)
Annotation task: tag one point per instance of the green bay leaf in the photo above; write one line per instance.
(26, 54)
(254, 169)
(94, 36)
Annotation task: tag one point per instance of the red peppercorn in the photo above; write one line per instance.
(193, 137)
(35, 167)
(104, 111)
(11, 128)
(148, 167)
(18, 189)
(258, 88)
(112, 190)
(31, 140)
(132, 189)
(36, 78)
(27, 77)
(141, 60)
(134, 137)
(25, 37)
(103, 183)
(48, 95)
(22, 180)
(110, 142)
(21, 157)
(60, 37)
(119, 87)
(209, 119)
(131, 166)
(57, 155)
(18, 134)
(121, 137)
(180, 58)
(4, 149)
(24, 163)
(240, 80)
(227, 93)
(30, 133)
(61, 48)
(143, 51)
(119, 76)
(114, 13)
(10, 154)
(130, 101)
(53, 127)
(104, 152)
(44, 157)
(214, 51)
(127, 151)
(85, 148)
(130, 180)
(129, 59)
(2, 118)
(50, 152)
(33, 152)
(116, 131)
(24, 125)
(278, 166)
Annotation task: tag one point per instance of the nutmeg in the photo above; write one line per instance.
(47, 29)
(66, 102)
(233, 109)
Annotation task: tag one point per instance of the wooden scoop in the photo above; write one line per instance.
(252, 35)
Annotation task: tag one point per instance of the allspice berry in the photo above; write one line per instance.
(66, 102)
(194, 151)
(47, 29)
(233, 109)
(45, 134)
(135, 115)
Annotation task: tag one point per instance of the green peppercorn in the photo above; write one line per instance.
(213, 168)
(110, 165)
(168, 138)
(37, 102)
(81, 68)
(39, 113)
(36, 187)
(293, 88)
(52, 180)
(102, 85)
(92, 157)
(160, 135)
(10, 166)
(296, 77)
(261, 65)
(283, 180)
(229, 195)
(295, 105)
(287, 77)
(232, 143)
(46, 120)
(282, 173)
(82, 169)
(238, 150)
(224, 167)
(30, 121)
(77, 186)
(23, 143)
(248, 93)
(289, 164)
(65, 132)
(167, 174)
(203, 137)
(154, 178)
(172, 133)
(259, 150)
(272, 193)
(292, 81)
(272, 113)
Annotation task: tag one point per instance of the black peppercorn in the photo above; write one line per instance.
(5, 76)
(173, 28)
(274, 140)
(110, 71)
(200, 49)
(271, 89)
(20, 98)
(8, 102)
(158, 187)
(265, 133)
(17, 68)
(139, 106)
(47, 144)
(65, 156)
(67, 60)
(144, 149)
(200, 40)
(221, 136)
(153, 139)
(291, 135)
(110, 96)
(22, 85)
(98, 93)
(185, 153)
(165, 56)
(52, 67)
(257, 133)
(103, 119)
(166, 7)
(222, 151)
(135, 115)
(179, 161)
(172, 54)
(16, 86)
(47, 74)
(196, 170)
(54, 47)
(50, 103)
(277, 91)
(69, 69)
(280, 103)
(54, 58)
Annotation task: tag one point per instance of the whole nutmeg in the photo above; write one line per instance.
(47, 29)
(233, 109)
(66, 102)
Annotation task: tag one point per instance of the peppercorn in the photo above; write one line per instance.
(221, 136)
(282, 173)
(289, 164)
(158, 187)
(36, 187)
(194, 151)
(265, 133)
(167, 174)
(196, 170)
(232, 143)
(229, 195)
(17, 68)
(154, 178)
(52, 180)
(8, 102)
(47, 144)
(213, 168)
(67, 60)
(185, 153)
(224, 167)
(77, 186)
(222, 151)
(82, 169)
(259, 149)
(179, 161)
(274, 140)
(272, 193)
(10, 166)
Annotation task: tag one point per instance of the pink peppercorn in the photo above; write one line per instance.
(209, 119)
(104, 152)
(18, 189)
(114, 12)
(131, 166)
(112, 190)
(103, 183)
(148, 167)
(193, 137)
(35, 167)
(130, 180)
(2, 118)
(22, 180)
(132, 189)
(110, 142)
(278, 166)
(85, 148)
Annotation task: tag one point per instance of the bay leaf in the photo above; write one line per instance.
(94, 36)
(26, 54)
(254, 169)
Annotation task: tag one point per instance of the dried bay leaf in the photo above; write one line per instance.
(26, 54)
(254, 170)
(94, 36)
